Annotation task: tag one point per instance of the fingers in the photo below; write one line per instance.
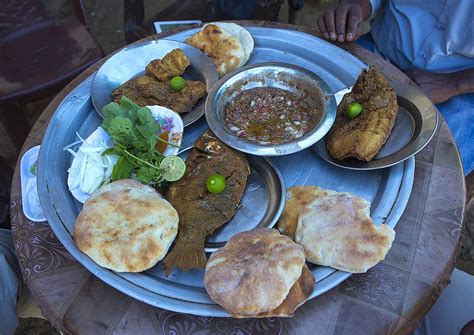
(322, 27)
(329, 23)
(341, 19)
(341, 23)
(354, 17)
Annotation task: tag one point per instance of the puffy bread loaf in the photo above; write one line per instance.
(242, 35)
(336, 230)
(253, 274)
(125, 184)
(126, 230)
(228, 45)
(297, 198)
(297, 296)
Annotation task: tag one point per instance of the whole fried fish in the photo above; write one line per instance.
(363, 136)
(201, 212)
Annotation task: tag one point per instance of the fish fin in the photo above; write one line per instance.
(185, 256)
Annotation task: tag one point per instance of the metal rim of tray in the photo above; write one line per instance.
(53, 197)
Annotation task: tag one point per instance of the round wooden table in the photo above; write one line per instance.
(391, 297)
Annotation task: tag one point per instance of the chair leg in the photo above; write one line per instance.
(13, 119)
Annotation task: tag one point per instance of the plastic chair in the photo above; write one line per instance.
(38, 58)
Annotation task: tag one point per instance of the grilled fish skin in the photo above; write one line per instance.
(173, 64)
(147, 91)
(201, 212)
(363, 136)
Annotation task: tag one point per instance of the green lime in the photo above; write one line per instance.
(177, 83)
(174, 167)
(353, 110)
(215, 183)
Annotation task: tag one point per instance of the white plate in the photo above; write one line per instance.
(29, 190)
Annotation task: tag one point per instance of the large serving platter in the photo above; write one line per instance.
(387, 189)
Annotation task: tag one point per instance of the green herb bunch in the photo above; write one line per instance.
(134, 133)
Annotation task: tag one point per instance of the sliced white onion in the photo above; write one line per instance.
(89, 167)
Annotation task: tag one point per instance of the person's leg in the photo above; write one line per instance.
(459, 115)
(10, 283)
(366, 42)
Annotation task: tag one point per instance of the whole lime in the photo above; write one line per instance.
(177, 83)
(215, 183)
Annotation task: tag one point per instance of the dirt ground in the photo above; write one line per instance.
(106, 24)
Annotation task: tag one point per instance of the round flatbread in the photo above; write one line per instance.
(337, 231)
(123, 184)
(253, 274)
(126, 229)
(227, 44)
(243, 35)
(297, 198)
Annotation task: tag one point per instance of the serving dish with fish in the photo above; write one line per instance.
(387, 190)
(143, 70)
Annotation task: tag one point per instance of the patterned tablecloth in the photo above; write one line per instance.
(392, 297)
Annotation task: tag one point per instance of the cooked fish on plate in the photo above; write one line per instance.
(259, 273)
(227, 44)
(335, 229)
(156, 88)
(201, 212)
(361, 136)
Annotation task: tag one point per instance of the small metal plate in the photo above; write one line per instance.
(261, 205)
(414, 127)
(289, 77)
(131, 61)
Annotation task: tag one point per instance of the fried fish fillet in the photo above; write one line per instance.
(147, 91)
(173, 64)
(363, 136)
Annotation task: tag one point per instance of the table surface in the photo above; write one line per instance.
(391, 297)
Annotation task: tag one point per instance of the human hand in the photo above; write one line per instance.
(341, 22)
(439, 87)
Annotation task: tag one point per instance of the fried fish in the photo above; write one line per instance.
(201, 212)
(363, 136)
(147, 91)
(173, 64)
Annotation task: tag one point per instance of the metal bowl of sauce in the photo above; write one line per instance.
(270, 109)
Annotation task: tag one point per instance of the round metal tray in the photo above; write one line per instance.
(414, 127)
(130, 62)
(387, 189)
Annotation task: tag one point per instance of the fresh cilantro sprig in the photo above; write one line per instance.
(134, 133)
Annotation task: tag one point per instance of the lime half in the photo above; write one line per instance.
(174, 168)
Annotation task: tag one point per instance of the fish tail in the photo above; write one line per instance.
(185, 255)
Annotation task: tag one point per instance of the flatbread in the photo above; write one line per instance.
(126, 229)
(297, 198)
(336, 230)
(123, 184)
(253, 274)
(227, 44)
(297, 296)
